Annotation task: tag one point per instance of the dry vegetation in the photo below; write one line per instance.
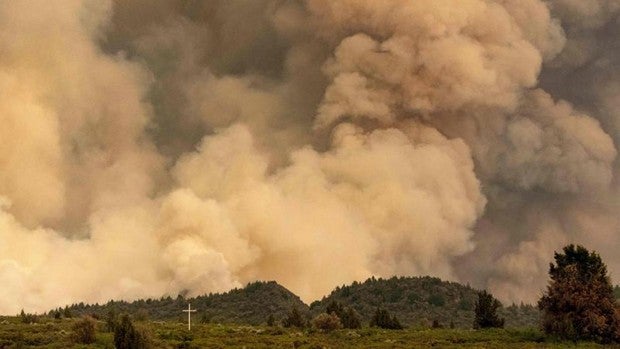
(57, 333)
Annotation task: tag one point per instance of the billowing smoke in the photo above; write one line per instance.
(174, 146)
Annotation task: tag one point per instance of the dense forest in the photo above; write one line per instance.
(422, 301)
(415, 301)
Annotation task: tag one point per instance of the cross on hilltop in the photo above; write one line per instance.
(189, 312)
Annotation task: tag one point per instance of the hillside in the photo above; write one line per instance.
(250, 305)
(418, 301)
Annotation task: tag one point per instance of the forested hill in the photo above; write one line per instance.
(418, 301)
(250, 305)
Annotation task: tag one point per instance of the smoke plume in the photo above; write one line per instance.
(163, 147)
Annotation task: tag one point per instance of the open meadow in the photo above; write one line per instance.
(50, 333)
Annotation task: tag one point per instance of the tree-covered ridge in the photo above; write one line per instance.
(420, 301)
(415, 301)
(250, 305)
(617, 292)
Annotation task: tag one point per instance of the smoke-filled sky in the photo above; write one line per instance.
(153, 148)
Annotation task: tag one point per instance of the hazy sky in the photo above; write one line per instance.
(153, 147)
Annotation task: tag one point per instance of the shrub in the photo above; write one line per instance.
(141, 315)
(486, 312)
(327, 322)
(84, 331)
(579, 303)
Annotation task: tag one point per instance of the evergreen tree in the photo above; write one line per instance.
(351, 319)
(579, 303)
(486, 312)
(347, 315)
(111, 319)
(67, 312)
(270, 320)
(294, 319)
(383, 319)
(126, 336)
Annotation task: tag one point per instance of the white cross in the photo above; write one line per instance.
(189, 312)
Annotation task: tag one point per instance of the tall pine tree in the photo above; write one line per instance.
(579, 302)
(486, 312)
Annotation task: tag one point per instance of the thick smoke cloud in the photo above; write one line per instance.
(167, 147)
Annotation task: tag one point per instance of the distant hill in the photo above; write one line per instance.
(418, 301)
(250, 305)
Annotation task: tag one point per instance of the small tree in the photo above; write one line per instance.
(486, 312)
(27, 318)
(351, 319)
(84, 331)
(111, 320)
(327, 322)
(294, 319)
(126, 336)
(383, 319)
(67, 312)
(347, 315)
(579, 303)
(205, 318)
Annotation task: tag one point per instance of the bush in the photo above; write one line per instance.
(579, 303)
(382, 319)
(327, 322)
(486, 312)
(84, 331)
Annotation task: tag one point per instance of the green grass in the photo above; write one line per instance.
(57, 334)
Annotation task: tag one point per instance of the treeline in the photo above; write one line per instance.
(416, 302)
(422, 302)
(250, 305)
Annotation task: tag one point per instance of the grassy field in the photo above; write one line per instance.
(58, 334)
